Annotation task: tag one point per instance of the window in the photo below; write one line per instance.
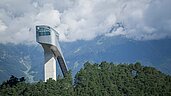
(44, 33)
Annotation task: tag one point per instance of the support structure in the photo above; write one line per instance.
(49, 39)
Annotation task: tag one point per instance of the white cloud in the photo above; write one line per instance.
(48, 16)
(3, 27)
(85, 19)
(150, 22)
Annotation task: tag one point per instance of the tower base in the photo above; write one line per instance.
(50, 69)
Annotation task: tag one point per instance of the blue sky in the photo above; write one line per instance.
(85, 19)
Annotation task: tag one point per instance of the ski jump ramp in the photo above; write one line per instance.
(49, 39)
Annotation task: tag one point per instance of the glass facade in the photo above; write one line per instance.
(43, 31)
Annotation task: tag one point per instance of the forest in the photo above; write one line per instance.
(103, 79)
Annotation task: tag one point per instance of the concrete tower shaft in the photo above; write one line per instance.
(49, 39)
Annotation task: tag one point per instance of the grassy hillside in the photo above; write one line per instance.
(104, 79)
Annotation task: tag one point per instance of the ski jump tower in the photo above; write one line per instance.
(49, 39)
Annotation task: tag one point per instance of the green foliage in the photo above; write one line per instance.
(104, 79)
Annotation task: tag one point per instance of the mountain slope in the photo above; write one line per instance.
(27, 60)
(155, 53)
